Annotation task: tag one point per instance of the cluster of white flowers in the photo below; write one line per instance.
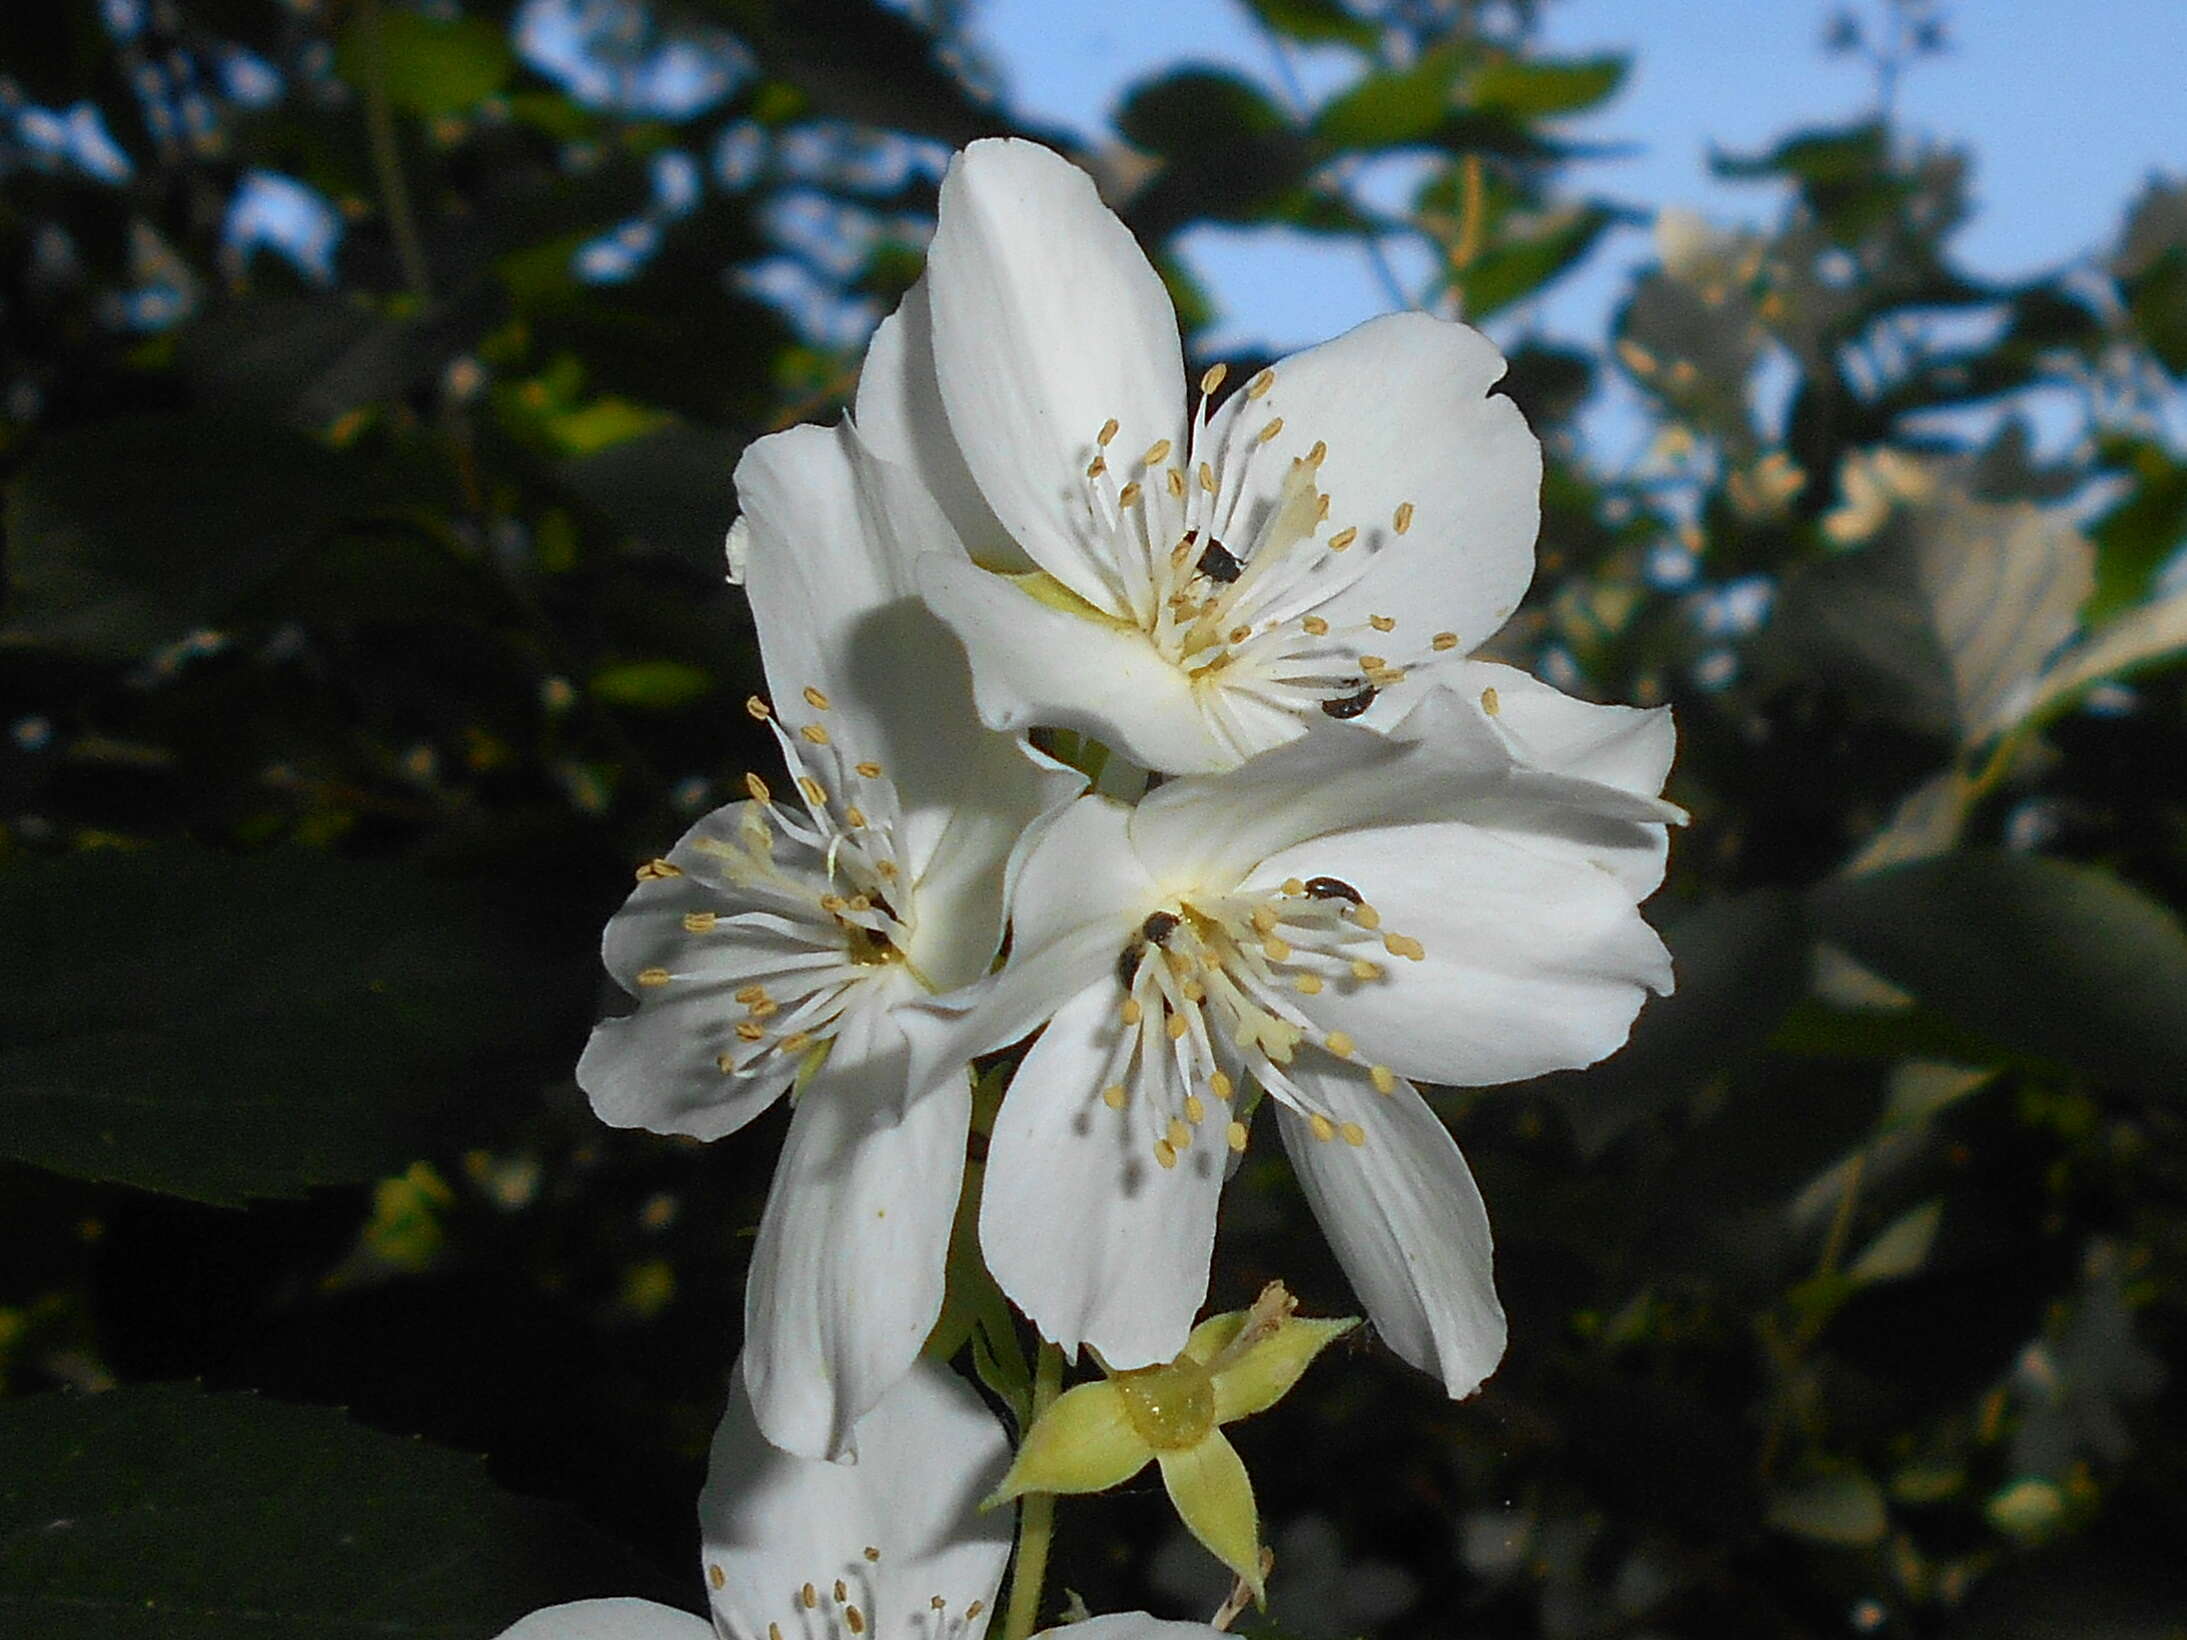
(1327, 853)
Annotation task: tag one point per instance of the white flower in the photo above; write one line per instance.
(891, 1548)
(1189, 588)
(1337, 915)
(781, 940)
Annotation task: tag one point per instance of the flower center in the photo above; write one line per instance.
(1232, 588)
(1220, 991)
(815, 914)
(845, 1607)
(1170, 1407)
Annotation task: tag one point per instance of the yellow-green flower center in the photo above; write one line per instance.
(1170, 1407)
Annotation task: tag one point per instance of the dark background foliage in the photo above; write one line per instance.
(363, 631)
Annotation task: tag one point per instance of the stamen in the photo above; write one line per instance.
(1338, 1043)
(699, 922)
(1260, 384)
(814, 698)
(1270, 433)
(1344, 538)
(1165, 1153)
(1404, 945)
(815, 793)
(758, 788)
(1234, 1136)
(1212, 378)
(1324, 1129)
(1401, 521)
(1315, 626)
(1157, 453)
(1354, 1134)
(1489, 703)
(814, 733)
(872, 771)
(652, 977)
(1114, 1096)
(654, 871)
(1384, 1079)
(1444, 642)
(758, 708)
(1107, 433)
(1383, 623)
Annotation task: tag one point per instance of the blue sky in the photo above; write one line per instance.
(2065, 119)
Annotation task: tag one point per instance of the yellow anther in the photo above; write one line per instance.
(871, 1553)
(796, 1042)
(1321, 510)
(1207, 478)
(1176, 481)
(1131, 1013)
(832, 903)
(1195, 1109)
(1339, 1043)
(815, 793)
(1212, 378)
(815, 698)
(1264, 918)
(1238, 634)
(809, 1597)
(1165, 1153)
(1344, 538)
(1324, 1129)
(972, 1612)
(1176, 1027)
(758, 788)
(1096, 467)
(1293, 887)
(699, 922)
(1383, 623)
(1220, 1085)
(1179, 1135)
(1401, 520)
(1308, 985)
(1278, 949)
(774, 1631)
(1129, 495)
(1260, 384)
(1489, 702)
(1445, 641)
(749, 1032)
(1192, 990)
(1234, 1135)
(1363, 969)
(1354, 1134)
(814, 733)
(854, 1619)
(1157, 453)
(1373, 663)
(1114, 1096)
(1107, 433)
(887, 868)
(1315, 626)
(650, 977)
(855, 817)
(1366, 916)
(1404, 945)
(1269, 434)
(725, 1064)
(715, 1577)
(750, 994)
(1318, 454)
(841, 1593)
(1384, 1079)
(655, 870)
(872, 771)
(758, 708)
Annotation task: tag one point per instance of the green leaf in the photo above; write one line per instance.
(1538, 88)
(434, 66)
(1315, 21)
(1182, 112)
(126, 534)
(160, 1512)
(2041, 957)
(1403, 106)
(2144, 529)
(1845, 1508)
(654, 686)
(222, 1028)
(1527, 257)
(669, 488)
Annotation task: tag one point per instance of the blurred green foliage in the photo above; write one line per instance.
(365, 625)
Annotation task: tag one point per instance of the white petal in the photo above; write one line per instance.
(1212, 829)
(1534, 963)
(959, 893)
(1129, 1626)
(1406, 1222)
(1402, 403)
(1048, 322)
(1035, 665)
(610, 1620)
(771, 1523)
(846, 1279)
(835, 601)
(1630, 747)
(1085, 1232)
(900, 417)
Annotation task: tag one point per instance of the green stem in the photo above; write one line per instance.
(402, 224)
(1036, 1513)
